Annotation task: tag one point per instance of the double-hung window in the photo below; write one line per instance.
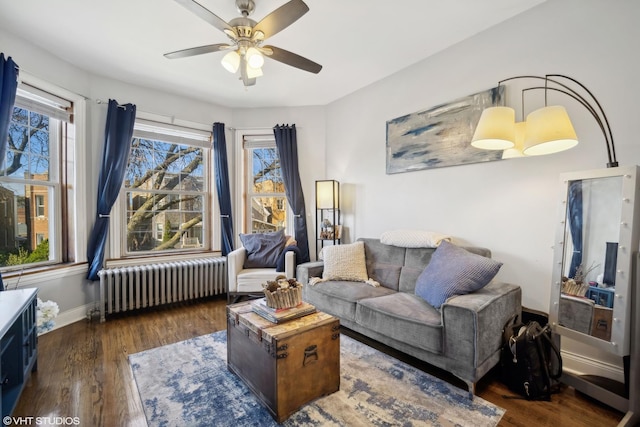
(265, 203)
(166, 195)
(33, 197)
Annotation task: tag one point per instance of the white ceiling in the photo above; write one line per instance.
(357, 41)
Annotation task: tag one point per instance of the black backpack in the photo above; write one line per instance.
(527, 366)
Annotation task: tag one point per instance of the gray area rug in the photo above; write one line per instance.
(188, 384)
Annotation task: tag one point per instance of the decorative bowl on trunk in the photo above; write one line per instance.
(282, 293)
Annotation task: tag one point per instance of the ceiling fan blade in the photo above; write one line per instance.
(206, 15)
(193, 51)
(281, 18)
(292, 59)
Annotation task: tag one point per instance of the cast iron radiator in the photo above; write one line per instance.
(140, 286)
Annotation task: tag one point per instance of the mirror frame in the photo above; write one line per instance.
(628, 242)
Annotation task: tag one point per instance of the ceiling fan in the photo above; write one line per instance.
(246, 52)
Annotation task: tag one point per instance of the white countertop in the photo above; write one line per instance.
(12, 303)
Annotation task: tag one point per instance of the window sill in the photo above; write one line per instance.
(35, 276)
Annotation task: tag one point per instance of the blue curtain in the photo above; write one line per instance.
(287, 144)
(574, 211)
(117, 144)
(222, 187)
(8, 87)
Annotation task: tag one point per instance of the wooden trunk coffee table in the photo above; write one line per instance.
(286, 365)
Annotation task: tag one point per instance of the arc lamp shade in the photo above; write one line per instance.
(549, 130)
(516, 151)
(495, 129)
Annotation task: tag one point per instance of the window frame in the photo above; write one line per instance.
(243, 176)
(68, 242)
(146, 123)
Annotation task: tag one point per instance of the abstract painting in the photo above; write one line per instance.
(440, 136)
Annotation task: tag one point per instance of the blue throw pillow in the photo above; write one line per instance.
(280, 266)
(454, 271)
(263, 249)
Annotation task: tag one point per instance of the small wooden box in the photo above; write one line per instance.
(286, 365)
(602, 322)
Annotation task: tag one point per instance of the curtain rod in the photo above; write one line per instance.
(99, 101)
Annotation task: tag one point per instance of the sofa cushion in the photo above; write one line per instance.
(340, 297)
(384, 262)
(454, 271)
(263, 249)
(345, 262)
(405, 317)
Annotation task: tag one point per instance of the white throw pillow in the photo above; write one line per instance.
(413, 238)
(345, 262)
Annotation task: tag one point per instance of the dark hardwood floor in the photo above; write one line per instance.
(83, 372)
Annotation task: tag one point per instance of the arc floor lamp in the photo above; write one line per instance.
(546, 130)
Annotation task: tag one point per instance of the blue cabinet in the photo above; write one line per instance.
(601, 296)
(18, 344)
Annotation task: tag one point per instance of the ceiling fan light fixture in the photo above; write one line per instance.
(252, 73)
(257, 36)
(231, 61)
(254, 58)
(245, 52)
(231, 33)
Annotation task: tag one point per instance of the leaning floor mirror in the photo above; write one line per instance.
(597, 238)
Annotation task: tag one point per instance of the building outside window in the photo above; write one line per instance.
(265, 204)
(31, 202)
(40, 207)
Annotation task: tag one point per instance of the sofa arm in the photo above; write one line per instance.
(235, 263)
(308, 270)
(290, 264)
(473, 322)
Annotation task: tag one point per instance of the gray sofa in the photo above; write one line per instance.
(463, 337)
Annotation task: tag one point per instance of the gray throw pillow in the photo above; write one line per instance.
(454, 271)
(263, 249)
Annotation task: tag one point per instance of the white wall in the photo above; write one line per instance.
(509, 206)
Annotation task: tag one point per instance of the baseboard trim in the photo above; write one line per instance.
(72, 316)
(578, 364)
